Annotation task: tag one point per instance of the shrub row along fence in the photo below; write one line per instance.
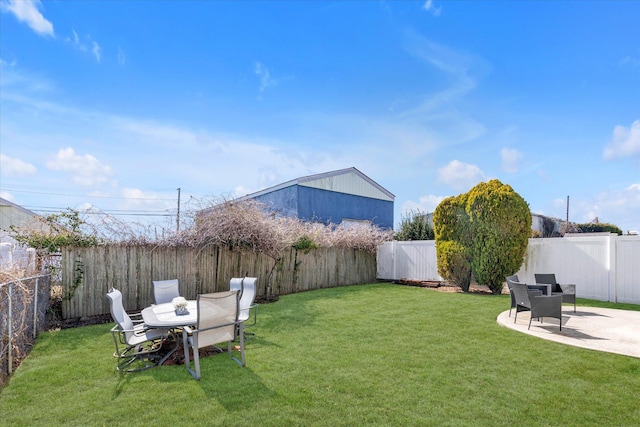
(23, 307)
(89, 273)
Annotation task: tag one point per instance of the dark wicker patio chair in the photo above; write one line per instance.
(539, 305)
(514, 278)
(567, 291)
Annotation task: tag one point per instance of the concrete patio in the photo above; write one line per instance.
(601, 329)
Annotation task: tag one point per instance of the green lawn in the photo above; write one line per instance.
(377, 354)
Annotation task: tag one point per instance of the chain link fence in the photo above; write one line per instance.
(23, 308)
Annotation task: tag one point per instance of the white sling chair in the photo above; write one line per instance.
(165, 290)
(217, 323)
(134, 341)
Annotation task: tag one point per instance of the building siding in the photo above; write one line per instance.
(284, 201)
(331, 207)
(349, 183)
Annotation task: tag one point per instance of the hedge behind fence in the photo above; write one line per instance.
(88, 273)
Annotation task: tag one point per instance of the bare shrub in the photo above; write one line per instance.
(249, 225)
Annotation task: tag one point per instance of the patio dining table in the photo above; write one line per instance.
(165, 316)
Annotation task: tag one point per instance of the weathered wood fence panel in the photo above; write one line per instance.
(89, 273)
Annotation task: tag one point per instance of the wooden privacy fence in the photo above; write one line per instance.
(88, 273)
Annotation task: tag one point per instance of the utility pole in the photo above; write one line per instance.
(178, 215)
(567, 223)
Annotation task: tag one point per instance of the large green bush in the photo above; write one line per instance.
(483, 233)
(501, 225)
(453, 240)
(454, 263)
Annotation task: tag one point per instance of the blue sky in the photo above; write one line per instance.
(117, 104)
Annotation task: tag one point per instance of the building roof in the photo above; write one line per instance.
(348, 181)
(13, 214)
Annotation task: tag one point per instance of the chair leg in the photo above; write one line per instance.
(193, 343)
(196, 362)
(185, 346)
(244, 363)
(530, 319)
(241, 333)
(561, 321)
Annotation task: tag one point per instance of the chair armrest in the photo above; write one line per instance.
(136, 317)
(544, 288)
(568, 289)
(535, 293)
(547, 304)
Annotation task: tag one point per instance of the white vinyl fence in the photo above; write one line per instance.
(603, 266)
(413, 260)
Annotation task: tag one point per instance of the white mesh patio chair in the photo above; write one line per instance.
(165, 290)
(246, 287)
(137, 345)
(217, 323)
(235, 284)
(247, 301)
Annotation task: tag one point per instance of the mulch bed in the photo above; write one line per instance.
(446, 287)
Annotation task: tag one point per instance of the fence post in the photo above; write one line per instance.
(35, 310)
(10, 331)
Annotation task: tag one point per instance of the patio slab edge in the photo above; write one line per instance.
(594, 328)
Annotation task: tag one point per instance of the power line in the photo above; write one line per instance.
(120, 213)
(87, 196)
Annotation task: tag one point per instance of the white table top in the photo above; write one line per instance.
(164, 315)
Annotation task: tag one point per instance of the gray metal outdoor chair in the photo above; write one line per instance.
(165, 290)
(568, 291)
(511, 279)
(514, 278)
(134, 341)
(217, 323)
(539, 305)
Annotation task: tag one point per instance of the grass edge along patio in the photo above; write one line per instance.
(378, 354)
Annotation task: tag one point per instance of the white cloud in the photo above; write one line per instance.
(266, 81)
(625, 142)
(27, 12)
(510, 159)
(443, 111)
(79, 44)
(426, 204)
(623, 205)
(460, 176)
(15, 167)
(138, 199)
(7, 196)
(96, 50)
(429, 6)
(85, 169)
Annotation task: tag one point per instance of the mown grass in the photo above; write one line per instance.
(377, 354)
